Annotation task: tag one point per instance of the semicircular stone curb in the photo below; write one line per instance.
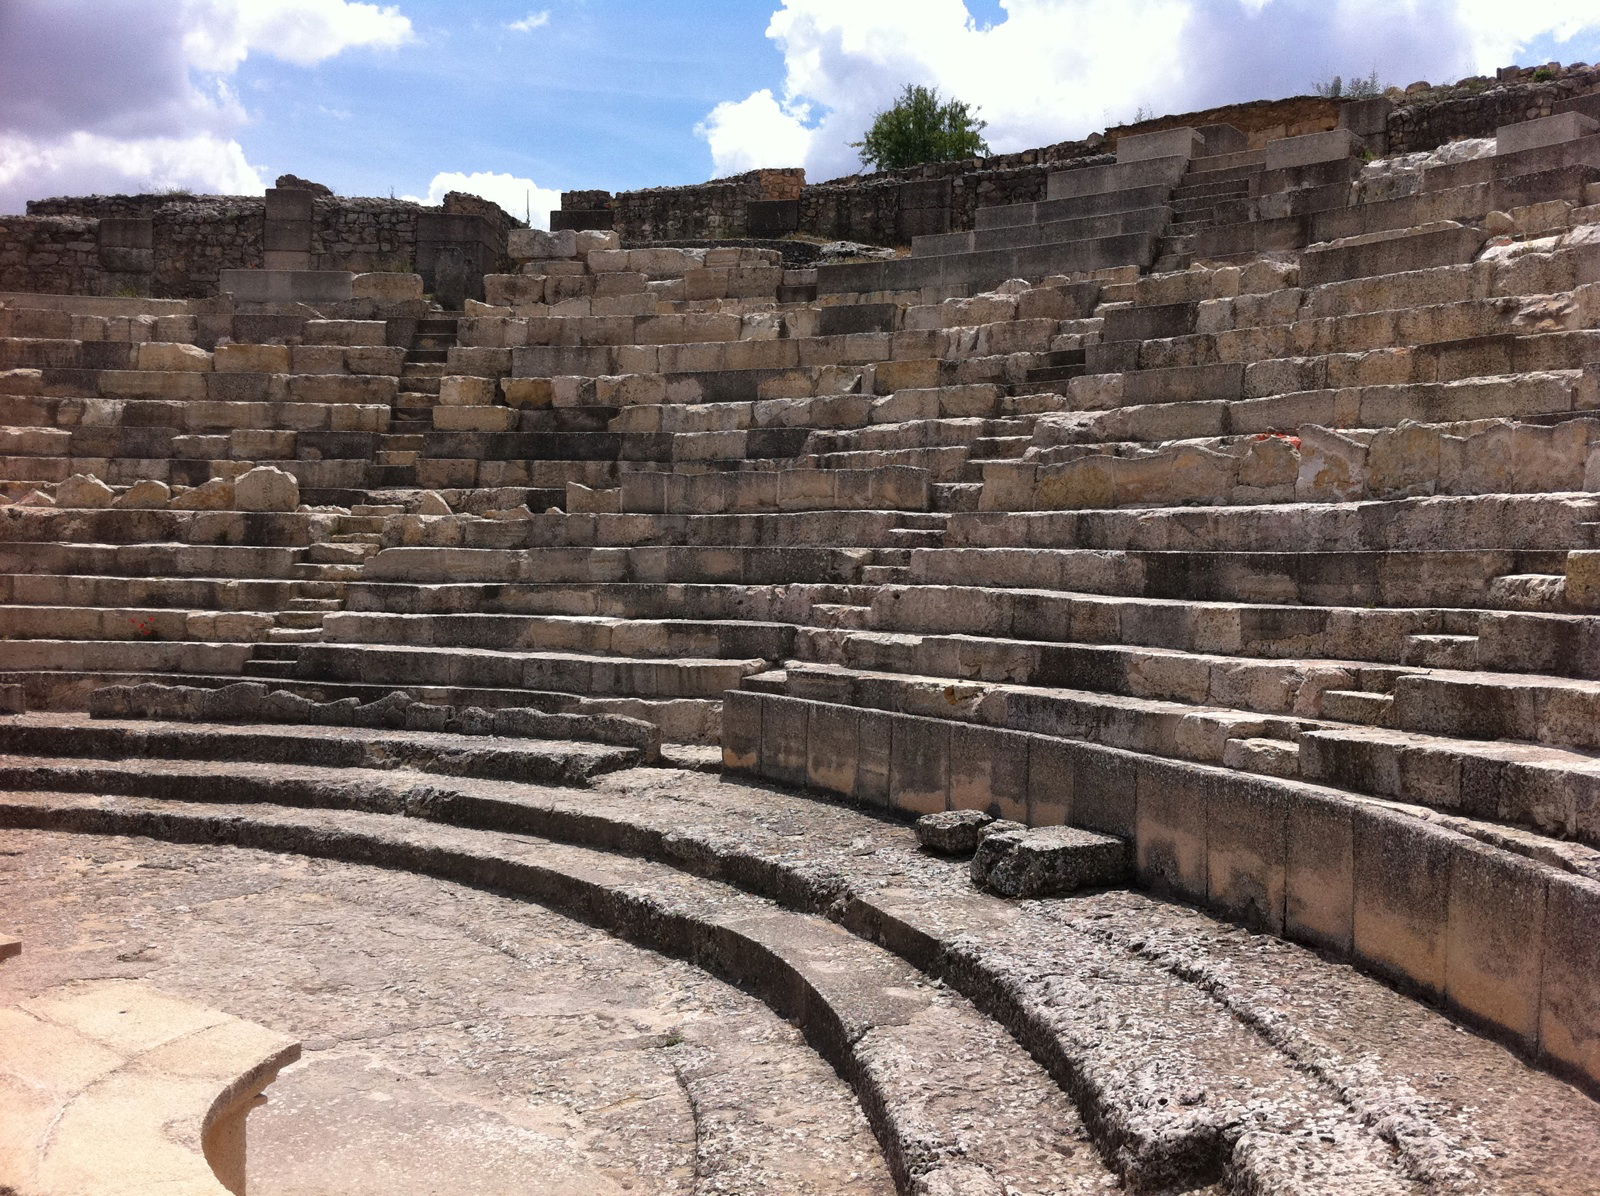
(1150, 1144)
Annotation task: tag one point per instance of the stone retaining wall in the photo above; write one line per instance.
(176, 246)
(50, 253)
(1476, 108)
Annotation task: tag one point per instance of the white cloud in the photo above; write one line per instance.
(126, 95)
(755, 131)
(84, 163)
(522, 198)
(1057, 69)
(534, 20)
(224, 33)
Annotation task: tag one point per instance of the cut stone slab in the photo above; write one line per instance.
(952, 832)
(147, 495)
(266, 488)
(84, 490)
(113, 1086)
(288, 286)
(1049, 861)
(1547, 130)
(1166, 143)
(1311, 148)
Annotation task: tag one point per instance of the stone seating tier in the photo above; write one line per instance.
(1282, 568)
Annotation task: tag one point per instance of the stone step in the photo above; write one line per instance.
(1270, 757)
(1205, 834)
(268, 668)
(294, 635)
(1357, 706)
(1551, 791)
(303, 618)
(301, 750)
(635, 638)
(1154, 1145)
(902, 1034)
(542, 671)
(1442, 651)
(1172, 730)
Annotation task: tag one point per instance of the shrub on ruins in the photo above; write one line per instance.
(1355, 88)
(920, 127)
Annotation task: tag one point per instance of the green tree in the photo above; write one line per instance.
(922, 128)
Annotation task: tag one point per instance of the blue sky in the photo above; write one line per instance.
(605, 94)
(519, 98)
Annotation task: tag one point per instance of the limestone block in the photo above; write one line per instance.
(367, 390)
(1583, 578)
(1269, 463)
(21, 382)
(387, 286)
(146, 495)
(159, 355)
(34, 442)
(1087, 482)
(1403, 461)
(665, 263)
(375, 359)
(85, 491)
(891, 376)
(1049, 861)
(1569, 1000)
(1332, 467)
(586, 499)
(533, 244)
(215, 495)
(761, 326)
(707, 283)
(178, 329)
(1311, 148)
(1268, 274)
(1548, 130)
(266, 488)
(1166, 143)
(627, 390)
(317, 359)
(463, 391)
(1402, 870)
(345, 332)
(611, 261)
(570, 390)
(514, 290)
(595, 240)
(474, 419)
(1187, 475)
(252, 359)
(527, 392)
(952, 832)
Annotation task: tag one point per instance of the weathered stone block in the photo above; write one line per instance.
(1049, 861)
(952, 832)
(1401, 870)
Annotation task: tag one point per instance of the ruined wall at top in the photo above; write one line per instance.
(1477, 107)
(193, 243)
(364, 234)
(54, 254)
(891, 207)
(175, 246)
(720, 208)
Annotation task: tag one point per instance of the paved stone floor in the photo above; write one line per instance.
(455, 1041)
